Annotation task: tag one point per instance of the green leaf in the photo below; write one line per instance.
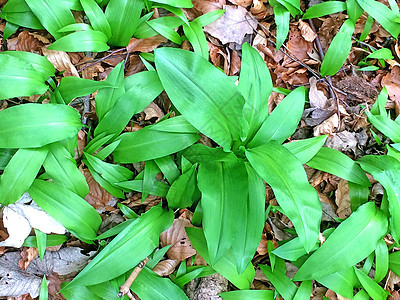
(168, 168)
(61, 167)
(9, 29)
(47, 123)
(383, 53)
(354, 10)
(148, 285)
(44, 292)
(361, 295)
(342, 282)
(385, 125)
(88, 40)
(141, 88)
(379, 106)
(123, 17)
(176, 124)
(147, 144)
(209, 17)
(324, 9)
(292, 250)
(19, 13)
(285, 287)
(225, 266)
(52, 15)
(195, 35)
(96, 16)
(52, 240)
(298, 199)
(18, 78)
(5, 157)
(20, 173)
(177, 3)
(140, 237)
(164, 27)
(255, 84)
(159, 188)
(190, 80)
(394, 262)
(248, 294)
(372, 288)
(72, 87)
(304, 290)
(38, 62)
(361, 231)
(282, 20)
(358, 195)
(76, 27)
(283, 120)
(381, 261)
(304, 150)
(386, 170)
(107, 96)
(203, 154)
(382, 14)
(149, 178)
(367, 28)
(338, 50)
(335, 162)
(41, 239)
(68, 208)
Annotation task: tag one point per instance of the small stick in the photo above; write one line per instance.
(125, 288)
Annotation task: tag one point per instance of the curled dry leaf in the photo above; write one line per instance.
(205, 6)
(258, 8)
(317, 98)
(243, 3)
(145, 45)
(181, 247)
(28, 42)
(166, 267)
(392, 83)
(308, 34)
(97, 197)
(135, 65)
(342, 195)
(328, 126)
(61, 61)
(297, 45)
(153, 111)
(27, 255)
(81, 142)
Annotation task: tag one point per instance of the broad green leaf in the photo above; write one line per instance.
(248, 294)
(52, 240)
(292, 250)
(175, 10)
(76, 27)
(141, 88)
(385, 125)
(362, 231)
(107, 96)
(184, 192)
(168, 168)
(341, 282)
(373, 289)
(9, 29)
(78, 292)
(383, 53)
(175, 125)
(20, 173)
(358, 195)
(47, 123)
(163, 27)
(338, 50)
(177, 3)
(282, 20)
(61, 167)
(19, 13)
(324, 9)
(96, 16)
(148, 285)
(107, 150)
(38, 62)
(293, 6)
(97, 142)
(72, 87)
(225, 266)
(255, 84)
(19, 78)
(147, 144)
(394, 262)
(123, 17)
(304, 150)
(223, 188)
(283, 120)
(209, 17)
(88, 40)
(304, 290)
(159, 188)
(379, 106)
(367, 28)
(381, 261)
(298, 199)
(5, 157)
(52, 15)
(129, 213)
(204, 154)
(382, 14)
(44, 291)
(195, 35)
(41, 239)
(66, 207)
(115, 230)
(149, 178)
(335, 162)
(361, 295)
(354, 10)
(285, 287)
(386, 170)
(206, 97)
(140, 237)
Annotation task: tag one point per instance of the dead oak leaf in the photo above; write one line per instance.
(97, 197)
(61, 61)
(342, 195)
(392, 83)
(308, 34)
(145, 45)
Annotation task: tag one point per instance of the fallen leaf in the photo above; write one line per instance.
(145, 45)
(297, 45)
(243, 3)
(17, 226)
(181, 247)
(342, 195)
(97, 197)
(61, 61)
(317, 98)
(308, 34)
(28, 42)
(153, 111)
(205, 6)
(258, 8)
(232, 26)
(165, 267)
(235, 64)
(392, 83)
(135, 65)
(91, 69)
(27, 255)
(328, 126)
(343, 141)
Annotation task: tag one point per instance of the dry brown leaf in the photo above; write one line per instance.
(97, 197)
(54, 286)
(232, 26)
(153, 111)
(145, 45)
(342, 195)
(205, 6)
(181, 247)
(297, 45)
(61, 61)
(135, 65)
(28, 42)
(328, 126)
(308, 34)
(258, 8)
(90, 70)
(244, 3)
(392, 83)
(165, 267)
(27, 255)
(81, 142)
(11, 43)
(317, 98)
(235, 63)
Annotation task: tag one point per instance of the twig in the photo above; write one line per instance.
(125, 288)
(95, 61)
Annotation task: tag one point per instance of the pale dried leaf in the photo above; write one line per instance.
(153, 111)
(27, 255)
(165, 267)
(17, 226)
(244, 3)
(317, 98)
(181, 247)
(145, 45)
(61, 61)
(343, 141)
(15, 284)
(308, 34)
(97, 197)
(342, 195)
(258, 7)
(28, 42)
(328, 126)
(232, 26)
(205, 6)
